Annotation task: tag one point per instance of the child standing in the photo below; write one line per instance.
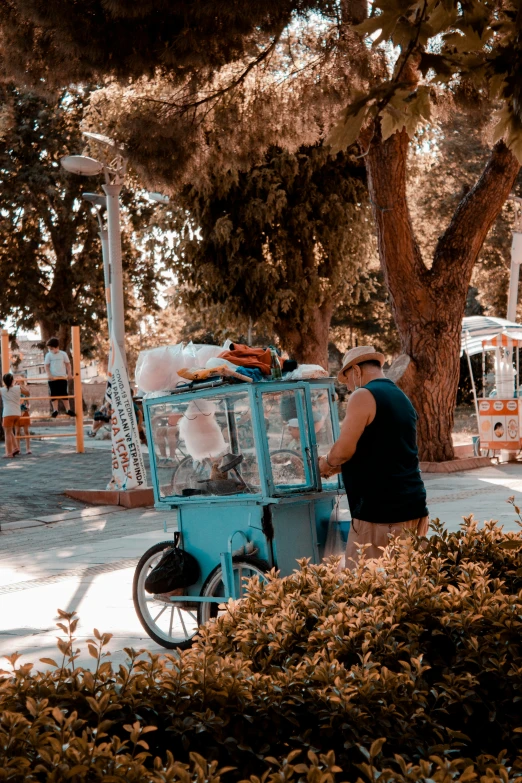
(11, 402)
(58, 369)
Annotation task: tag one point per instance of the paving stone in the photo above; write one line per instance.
(81, 513)
(20, 524)
(31, 487)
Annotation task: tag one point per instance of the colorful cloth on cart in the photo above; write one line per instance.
(244, 356)
(382, 479)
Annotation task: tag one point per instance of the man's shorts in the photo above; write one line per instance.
(58, 389)
(377, 536)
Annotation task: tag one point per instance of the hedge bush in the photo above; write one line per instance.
(406, 671)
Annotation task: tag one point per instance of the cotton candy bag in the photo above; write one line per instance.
(201, 432)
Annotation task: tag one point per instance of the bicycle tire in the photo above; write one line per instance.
(141, 599)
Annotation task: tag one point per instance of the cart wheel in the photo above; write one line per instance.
(287, 466)
(243, 568)
(165, 621)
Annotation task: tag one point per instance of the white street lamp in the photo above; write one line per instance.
(99, 203)
(516, 260)
(81, 164)
(159, 198)
(114, 173)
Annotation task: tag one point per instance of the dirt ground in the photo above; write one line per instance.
(465, 425)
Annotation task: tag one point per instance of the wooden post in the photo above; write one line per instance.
(78, 404)
(6, 361)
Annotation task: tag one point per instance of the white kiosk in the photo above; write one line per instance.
(499, 412)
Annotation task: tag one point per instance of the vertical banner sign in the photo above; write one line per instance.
(128, 468)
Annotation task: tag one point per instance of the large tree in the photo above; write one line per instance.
(204, 56)
(51, 274)
(281, 243)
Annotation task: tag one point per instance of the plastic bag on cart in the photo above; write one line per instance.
(335, 546)
(306, 371)
(156, 368)
(206, 352)
(176, 569)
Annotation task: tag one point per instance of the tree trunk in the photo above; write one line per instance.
(428, 303)
(308, 344)
(50, 328)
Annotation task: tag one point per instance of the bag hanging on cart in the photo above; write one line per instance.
(334, 545)
(176, 569)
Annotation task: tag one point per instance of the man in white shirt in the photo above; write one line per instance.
(58, 369)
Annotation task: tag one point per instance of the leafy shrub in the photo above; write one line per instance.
(407, 670)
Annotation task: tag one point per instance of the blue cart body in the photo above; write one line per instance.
(275, 499)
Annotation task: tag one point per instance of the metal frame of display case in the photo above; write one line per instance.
(255, 391)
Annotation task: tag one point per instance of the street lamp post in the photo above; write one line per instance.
(128, 469)
(114, 173)
(99, 203)
(516, 260)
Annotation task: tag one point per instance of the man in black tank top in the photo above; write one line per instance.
(377, 455)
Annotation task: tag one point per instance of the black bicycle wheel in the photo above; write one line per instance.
(167, 622)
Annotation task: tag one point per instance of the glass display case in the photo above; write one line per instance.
(260, 439)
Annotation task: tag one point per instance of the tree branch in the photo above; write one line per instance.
(215, 94)
(459, 246)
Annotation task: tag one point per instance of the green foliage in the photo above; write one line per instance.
(449, 43)
(279, 243)
(51, 272)
(410, 671)
(366, 315)
(63, 43)
(479, 41)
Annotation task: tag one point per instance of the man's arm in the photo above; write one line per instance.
(360, 412)
(68, 368)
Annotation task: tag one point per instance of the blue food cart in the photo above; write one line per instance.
(239, 463)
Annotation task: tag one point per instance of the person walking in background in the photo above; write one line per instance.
(58, 368)
(377, 455)
(11, 404)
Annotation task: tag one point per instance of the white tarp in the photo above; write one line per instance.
(128, 468)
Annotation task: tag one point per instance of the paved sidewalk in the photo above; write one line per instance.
(481, 492)
(85, 562)
(32, 486)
